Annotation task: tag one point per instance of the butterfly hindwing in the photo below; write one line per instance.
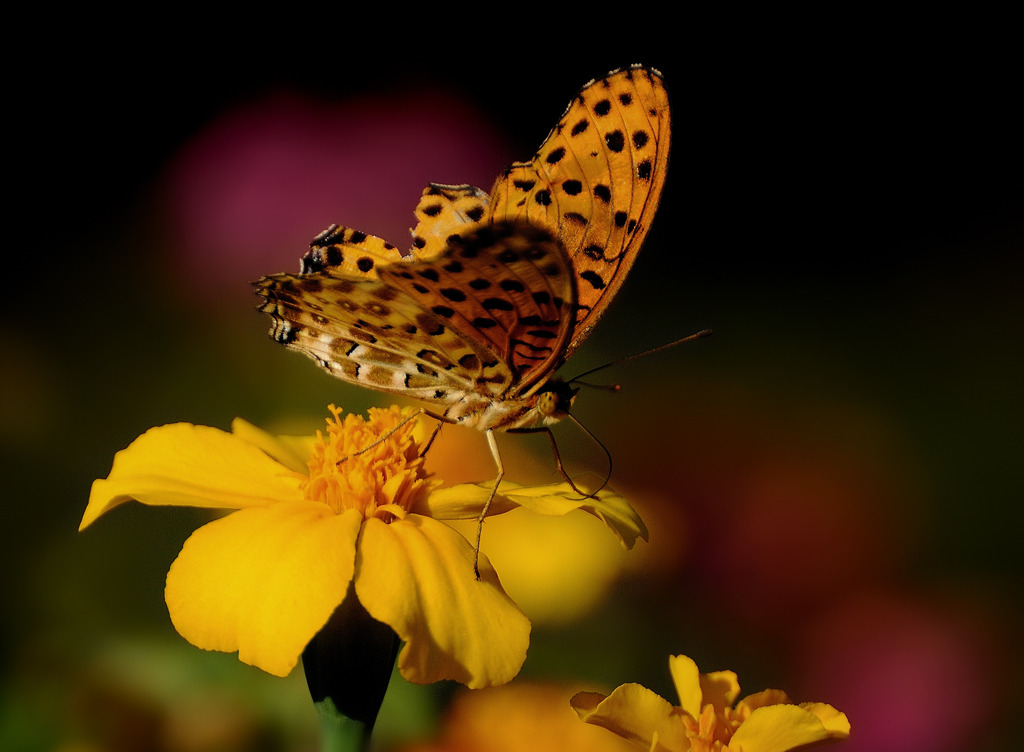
(351, 252)
(444, 212)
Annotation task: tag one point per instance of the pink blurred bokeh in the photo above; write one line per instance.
(250, 191)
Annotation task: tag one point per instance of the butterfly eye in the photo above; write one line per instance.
(547, 403)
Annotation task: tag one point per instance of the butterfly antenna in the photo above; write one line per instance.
(644, 354)
(602, 387)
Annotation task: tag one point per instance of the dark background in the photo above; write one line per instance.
(843, 206)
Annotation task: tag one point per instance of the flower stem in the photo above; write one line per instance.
(339, 733)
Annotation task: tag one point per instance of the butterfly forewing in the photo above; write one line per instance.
(508, 286)
(595, 182)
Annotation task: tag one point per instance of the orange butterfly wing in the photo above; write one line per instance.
(595, 183)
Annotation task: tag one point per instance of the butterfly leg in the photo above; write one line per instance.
(493, 444)
(441, 420)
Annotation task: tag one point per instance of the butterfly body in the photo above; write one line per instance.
(546, 407)
(498, 289)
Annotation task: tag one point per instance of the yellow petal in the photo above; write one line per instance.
(585, 703)
(263, 580)
(560, 498)
(779, 728)
(686, 677)
(836, 722)
(720, 689)
(555, 568)
(635, 713)
(291, 451)
(467, 500)
(186, 465)
(461, 502)
(416, 575)
(763, 698)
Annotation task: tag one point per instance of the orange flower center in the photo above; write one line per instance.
(712, 731)
(373, 466)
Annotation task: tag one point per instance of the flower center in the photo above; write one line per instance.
(712, 731)
(371, 465)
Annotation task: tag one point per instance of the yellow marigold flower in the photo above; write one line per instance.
(317, 515)
(706, 719)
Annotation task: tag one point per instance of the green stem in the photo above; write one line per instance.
(339, 733)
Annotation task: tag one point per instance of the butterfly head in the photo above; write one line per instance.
(555, 400)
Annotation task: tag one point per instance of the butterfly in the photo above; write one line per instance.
(498, 289)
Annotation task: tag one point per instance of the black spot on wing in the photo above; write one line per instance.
(556, 155)
(615, 141)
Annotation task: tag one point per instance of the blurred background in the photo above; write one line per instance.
(832, 481)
